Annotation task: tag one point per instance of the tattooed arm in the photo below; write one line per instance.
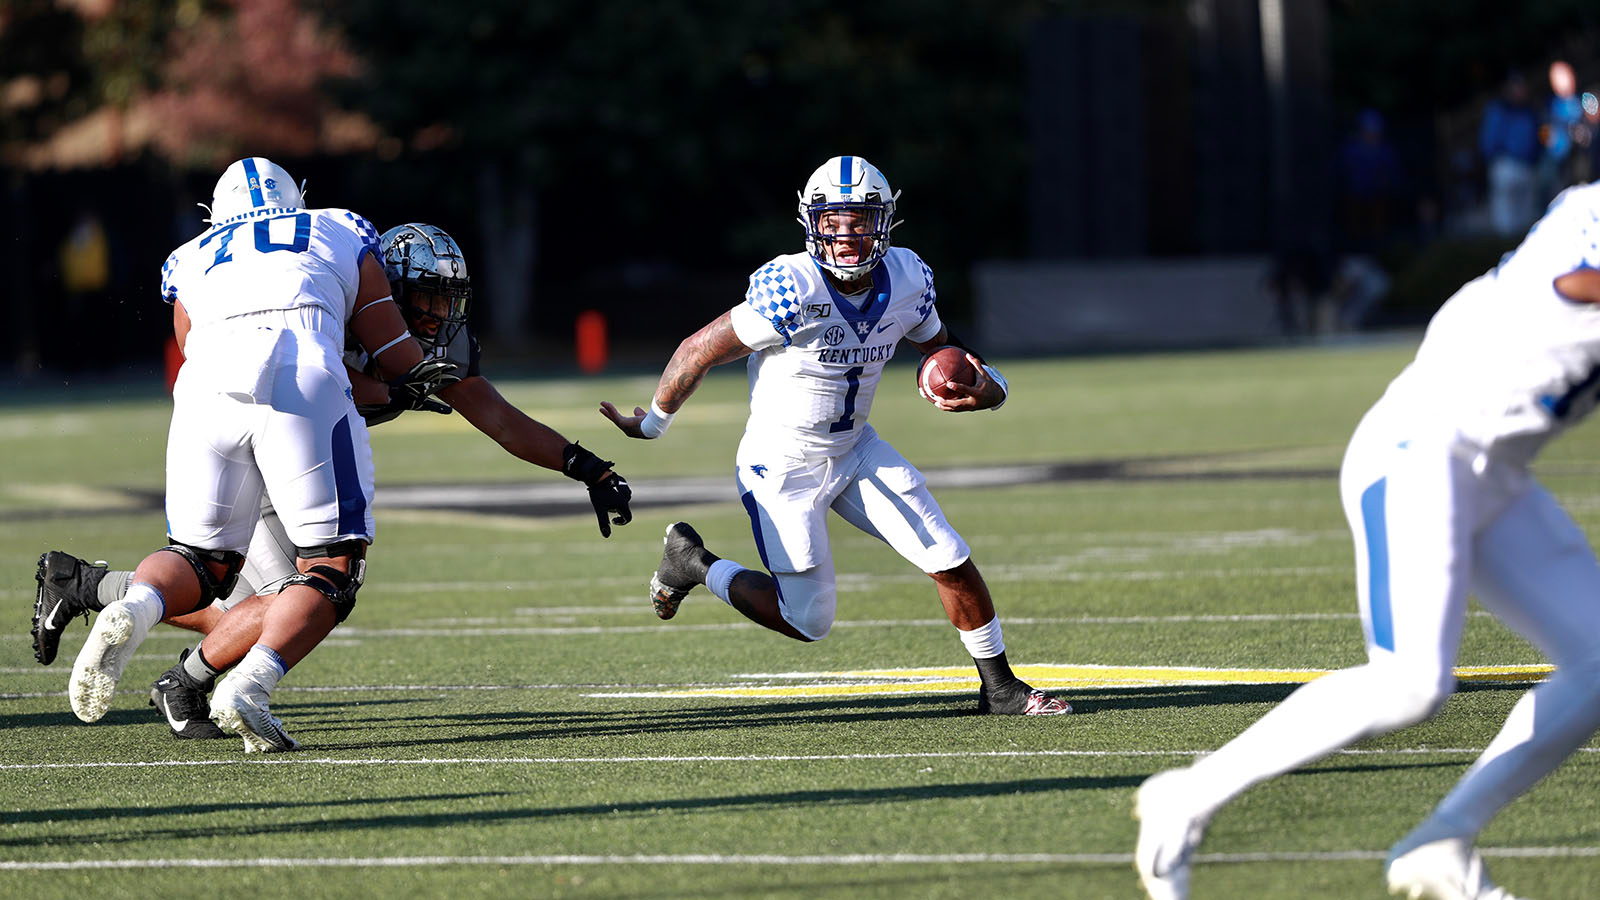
(712, 345)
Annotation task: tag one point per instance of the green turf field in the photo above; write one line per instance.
(503, 715)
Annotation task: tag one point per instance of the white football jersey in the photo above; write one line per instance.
(271, 259)
(819, 354)
(246, 279)
(1507, 361)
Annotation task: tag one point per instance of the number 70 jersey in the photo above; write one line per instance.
(271, 259)
(819, 354)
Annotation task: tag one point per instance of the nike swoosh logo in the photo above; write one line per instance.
(50, 623)
(177, 724)
(882, 327)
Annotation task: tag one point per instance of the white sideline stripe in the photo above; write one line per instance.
(751, 859)
(769, 758)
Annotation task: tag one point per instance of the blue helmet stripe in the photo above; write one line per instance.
(845, 165)
(254, 181)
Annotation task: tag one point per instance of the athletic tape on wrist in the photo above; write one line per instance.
(656, 421)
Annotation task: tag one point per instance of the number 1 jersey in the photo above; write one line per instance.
(820, 354)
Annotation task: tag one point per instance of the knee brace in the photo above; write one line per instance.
(211, 587)
(340, 588)
(807, 601)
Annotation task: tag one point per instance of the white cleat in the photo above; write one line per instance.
(1444, 869)
(111, 643)
(1168, 835)
(239, 705)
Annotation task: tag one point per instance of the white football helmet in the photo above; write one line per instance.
(254, 182)
(848, 183)
(424, 259)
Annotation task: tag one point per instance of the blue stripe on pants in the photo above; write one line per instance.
(347, 482)
(1378, 602)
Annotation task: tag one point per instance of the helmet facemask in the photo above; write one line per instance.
(847, 201)
(428, 278)
(867, 222)
(434, 307)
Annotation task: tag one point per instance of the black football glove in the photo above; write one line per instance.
(608, 491)
(425, 379)
(413, 390)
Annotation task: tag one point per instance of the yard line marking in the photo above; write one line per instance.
(746, 758)
(924, 680)
(954, 679)
(751, 859)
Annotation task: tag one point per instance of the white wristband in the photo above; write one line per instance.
(655, 421)
(997, 378)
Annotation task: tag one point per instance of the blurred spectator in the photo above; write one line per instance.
(85, 265)
(1509, 140)
(1370, 173)
(1298, 282)
(1359, 283)
(1587, 137)
(1563, 121)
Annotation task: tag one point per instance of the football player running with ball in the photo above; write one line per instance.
(818, 328)
(427, 275)
(1441, 502)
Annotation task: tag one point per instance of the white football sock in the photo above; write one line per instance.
(145, 604)
(263, 666)
(985, 641)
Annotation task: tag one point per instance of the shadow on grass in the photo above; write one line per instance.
(754, 802)
(502, 726)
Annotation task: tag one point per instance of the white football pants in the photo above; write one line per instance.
(1430, 525)
(871, 486)
(298, 438)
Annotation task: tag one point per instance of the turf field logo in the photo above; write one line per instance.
(963, 679)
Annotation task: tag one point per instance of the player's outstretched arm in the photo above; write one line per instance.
(524, 437)
(711, 346)
(532, 441)
(985, 393)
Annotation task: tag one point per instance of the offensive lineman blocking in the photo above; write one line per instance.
(428, 275)
(1440, 500)
(261, 302)
(818, 328)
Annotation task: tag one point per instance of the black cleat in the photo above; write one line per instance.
(1018, 699)
(683, 565)
(66, 590)
(183, 703)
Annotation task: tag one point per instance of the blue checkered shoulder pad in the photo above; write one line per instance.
(169, 291)
(774, 294)
(367, 233)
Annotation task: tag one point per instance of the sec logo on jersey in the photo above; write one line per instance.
(833, 336)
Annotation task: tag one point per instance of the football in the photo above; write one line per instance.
(941, 367)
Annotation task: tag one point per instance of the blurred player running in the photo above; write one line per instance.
(1440, 500)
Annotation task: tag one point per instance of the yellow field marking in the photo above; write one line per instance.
(962, 679)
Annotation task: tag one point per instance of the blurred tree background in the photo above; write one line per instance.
(641, 159)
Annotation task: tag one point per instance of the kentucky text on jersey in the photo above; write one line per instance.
(856, 355)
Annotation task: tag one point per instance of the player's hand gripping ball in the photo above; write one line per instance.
(941, 368)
